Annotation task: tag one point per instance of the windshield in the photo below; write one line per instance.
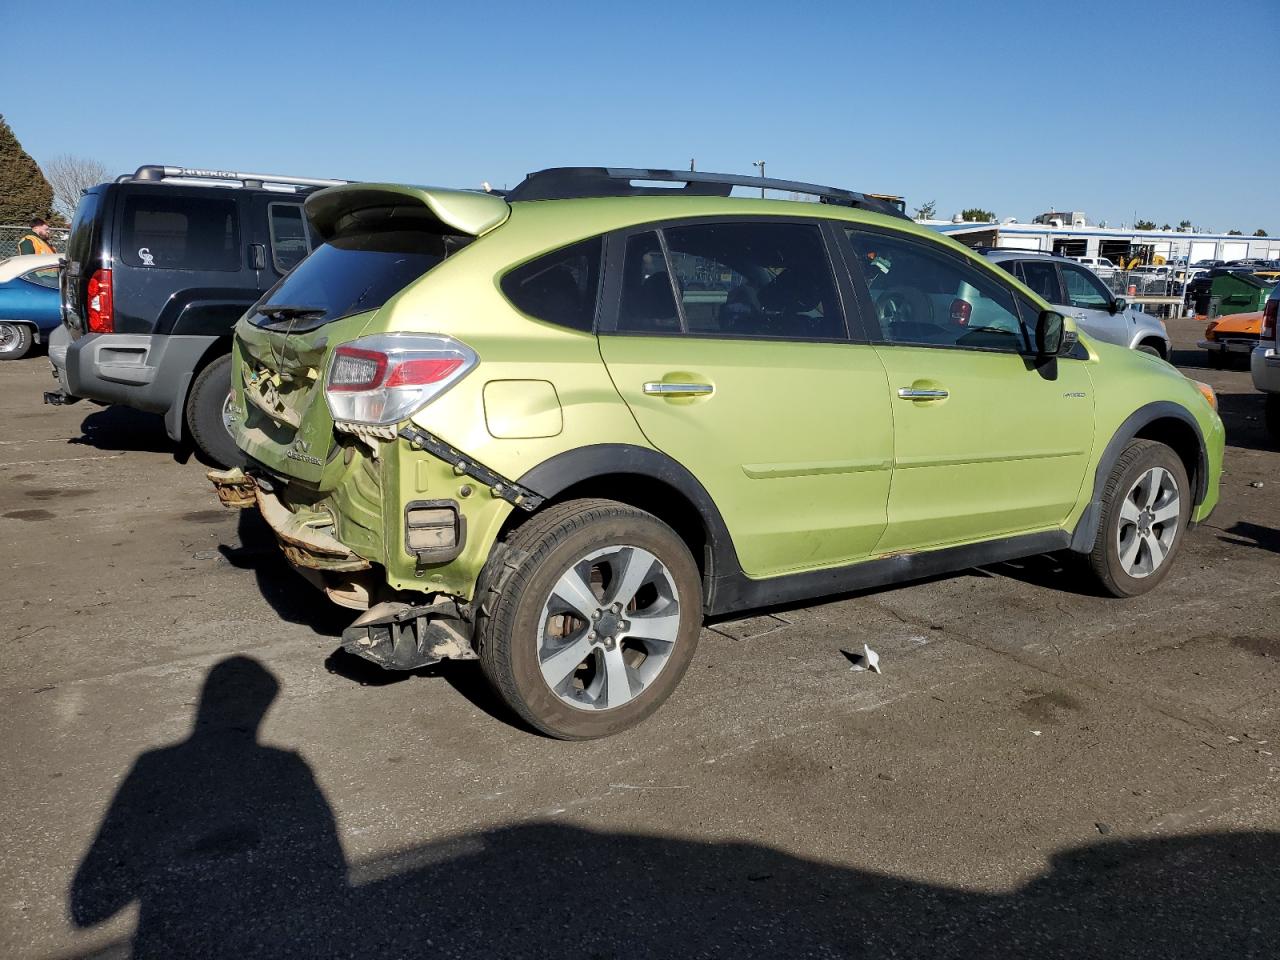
(351, 273)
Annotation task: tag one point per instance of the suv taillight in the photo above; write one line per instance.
(101, 311)
(1269, 319)
(382, 379)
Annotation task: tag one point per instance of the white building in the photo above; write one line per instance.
(1118, 246)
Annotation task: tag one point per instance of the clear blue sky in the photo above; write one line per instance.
(1165, 108)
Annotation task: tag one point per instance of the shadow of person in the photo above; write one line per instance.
(227, 846)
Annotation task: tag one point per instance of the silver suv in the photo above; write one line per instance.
(1077, 292)
(1265, 362)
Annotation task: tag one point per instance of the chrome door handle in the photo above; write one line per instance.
(909, 393)
(656, 389)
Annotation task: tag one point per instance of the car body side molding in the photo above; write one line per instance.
(1087, 528)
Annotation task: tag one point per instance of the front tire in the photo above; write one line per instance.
(207, 414)
(15, 340)
(593, 620)
(1146, 504)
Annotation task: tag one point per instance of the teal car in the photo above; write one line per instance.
(553, 430)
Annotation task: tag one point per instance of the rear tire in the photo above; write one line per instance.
(15, 340)
(1146, 504)
(207, 406)
(558, 655)
(1148, 348)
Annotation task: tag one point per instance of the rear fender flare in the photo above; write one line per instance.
(565, 470)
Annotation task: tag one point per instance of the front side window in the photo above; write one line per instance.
(752, 279)
(1042, 277)
(559, 287)
(180, 232)
(1085, 290)
(289, 240)
(927, 297)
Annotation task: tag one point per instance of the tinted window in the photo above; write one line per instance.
(926, 296)
(45, 277)
(79, 243)
(560, 287)
(648, 305)
(350, 274)
(1042, 277)
(755, 280)
(289, 241)
(1084, 289)
(178, 232)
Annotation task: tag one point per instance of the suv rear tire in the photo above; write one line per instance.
(206, 410)
(1146, 504)
(557, 654)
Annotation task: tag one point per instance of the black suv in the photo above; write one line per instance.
(159, 266)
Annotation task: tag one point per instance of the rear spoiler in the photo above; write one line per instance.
(467, 212)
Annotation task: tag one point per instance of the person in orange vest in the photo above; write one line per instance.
(37, 241)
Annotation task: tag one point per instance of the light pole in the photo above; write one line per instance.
(760, 164)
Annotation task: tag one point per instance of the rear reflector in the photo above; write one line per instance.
(100, 312)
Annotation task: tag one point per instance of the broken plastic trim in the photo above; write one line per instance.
(498, 485)
(397, 636)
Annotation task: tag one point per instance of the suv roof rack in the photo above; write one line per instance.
(158, 173)
(566, 183)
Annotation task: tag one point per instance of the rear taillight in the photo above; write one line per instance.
(383, 378)
(1269, 319)
(100, 312)
(961, 311)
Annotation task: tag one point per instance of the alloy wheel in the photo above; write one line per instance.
(1149, 517)
(608, 628)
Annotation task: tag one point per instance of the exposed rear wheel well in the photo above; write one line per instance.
(645, 493)
(1183, 440)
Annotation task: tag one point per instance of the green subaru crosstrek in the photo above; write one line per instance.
(554, 429)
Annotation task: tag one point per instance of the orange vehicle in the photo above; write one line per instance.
(1234, 335)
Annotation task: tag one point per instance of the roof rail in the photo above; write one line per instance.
(157, 172)
(564, 183)
(1018, 250)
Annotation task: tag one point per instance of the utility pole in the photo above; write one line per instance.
(760, 164)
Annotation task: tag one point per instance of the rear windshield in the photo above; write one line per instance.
(80, 243)
(349, 274)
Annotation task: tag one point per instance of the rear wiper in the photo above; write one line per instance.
(285, 311)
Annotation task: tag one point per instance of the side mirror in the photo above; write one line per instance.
(1118, 305)
(1055, 335)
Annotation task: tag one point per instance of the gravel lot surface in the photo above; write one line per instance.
(1038, 771)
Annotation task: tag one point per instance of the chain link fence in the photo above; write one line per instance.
(10, 234)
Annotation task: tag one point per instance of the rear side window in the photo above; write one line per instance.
(1042, 277)
(352, 273)
(755, 279)
(560, 287)
(289, 240)
(44, 277)
(180, 233)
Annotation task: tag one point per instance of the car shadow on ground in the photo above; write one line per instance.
(117, 428)
(229, 848)
(1244, 416)
(292, 597)
(1246, 534)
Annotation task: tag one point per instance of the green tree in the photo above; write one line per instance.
(926, 211)
(1166, 227)
(1145, 225)
(1184, 224)
(1234, 233)
(1259, 232)
(24, 192)
(977, 215)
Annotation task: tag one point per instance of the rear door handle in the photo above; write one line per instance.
(911, 393)
(663, 389)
